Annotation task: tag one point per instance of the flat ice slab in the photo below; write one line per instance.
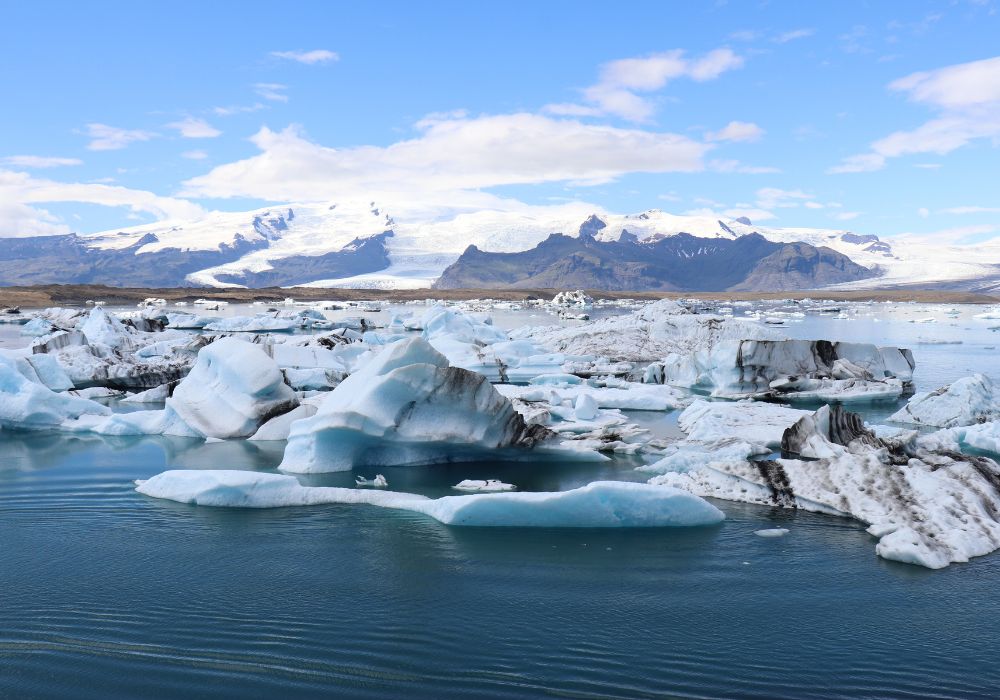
(599, 504)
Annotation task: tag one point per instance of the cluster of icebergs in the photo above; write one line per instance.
(448, 386)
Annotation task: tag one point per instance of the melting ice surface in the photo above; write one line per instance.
(256, 602)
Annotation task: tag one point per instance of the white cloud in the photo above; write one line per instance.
(194, 155)
(773, 198)
(192, 128)
(111, 138)
(449, 157)
(619, 82)
(736, 131)
(720, 212)
(793, 35)
(308, 57)
(967, 95)
(846, 215)
(971, 210)
(237, 109)
(952, 87)
(954, 235)
(734, 166)
(19, 191)
(923, 212)
(39, 161)
(274, 92)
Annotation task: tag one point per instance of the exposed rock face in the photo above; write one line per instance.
(674, 263)
(69, 259)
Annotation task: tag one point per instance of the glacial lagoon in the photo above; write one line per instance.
(106, 591)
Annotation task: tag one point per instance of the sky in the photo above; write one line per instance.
(877, 117)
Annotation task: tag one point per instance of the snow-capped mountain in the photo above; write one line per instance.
(360, 244)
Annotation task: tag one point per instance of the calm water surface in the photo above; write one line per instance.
(106, 592)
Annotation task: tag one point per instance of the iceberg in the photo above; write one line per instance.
(630, 396)
(600, 504)
(483, 485)
(930, 508)
(30, 405)
(824, 369)
(751, 421)
(264, 323)
(967, 401)
(408, 406)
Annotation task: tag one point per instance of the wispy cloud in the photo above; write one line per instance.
(19, 192)
(111, 138)
(194, 155)
(39, 161)
(238, 109)
(275, 92)
(736, 131)
(308, 57)
(192, 128)
(792, 35)
(967, 95)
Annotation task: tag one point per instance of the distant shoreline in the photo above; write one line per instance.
(78, 294)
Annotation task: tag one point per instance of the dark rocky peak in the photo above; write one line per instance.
(146, 240)
(592, 226)
(743, 220)
(857, 239)
(725, 228)
(628, 238)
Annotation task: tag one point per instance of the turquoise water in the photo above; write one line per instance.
(104, 592)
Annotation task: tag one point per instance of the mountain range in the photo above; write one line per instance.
(360, 245)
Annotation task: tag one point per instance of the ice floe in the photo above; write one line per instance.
(599, 504)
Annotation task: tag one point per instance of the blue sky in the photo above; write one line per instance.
(880, 117)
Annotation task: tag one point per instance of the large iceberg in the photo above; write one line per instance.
(408, 406)
(31, 405)
(818, 370)
(930, 508)
(233, 389)
(967, 401)
(600, 504)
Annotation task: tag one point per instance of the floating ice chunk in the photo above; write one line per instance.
(30, 405)
(741, 367)
(487, 486)
(264, 323)
(600, 504)
(926, 507)
(408, 406)
(100, 327)
(441, 321)
(379, 482)
(585, 407)
(628, 396)
(189, 321)
(772, 532)
(546, 379)
(233, 388)
(751, 421)
(966, 401)
(157, 394)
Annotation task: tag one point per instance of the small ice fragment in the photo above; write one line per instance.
(772, 532)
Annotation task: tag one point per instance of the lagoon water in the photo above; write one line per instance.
(106, 592)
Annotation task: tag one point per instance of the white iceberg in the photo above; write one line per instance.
(601, 504)
(926, 508)
(483, 485)
(967, 401)
(408, 406)
(752, 421)
(30, 405)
